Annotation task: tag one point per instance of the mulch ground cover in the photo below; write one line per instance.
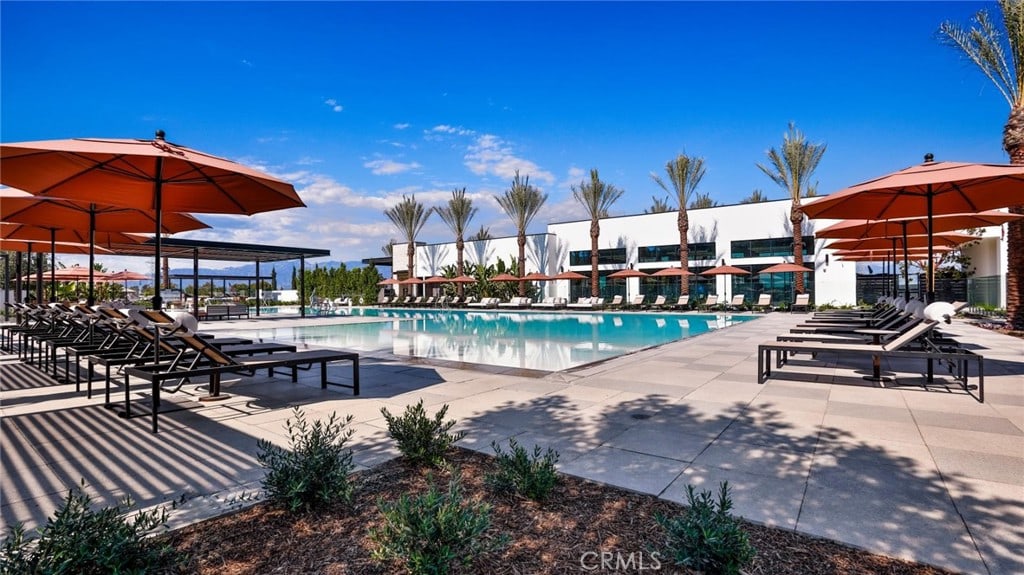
(565, 534)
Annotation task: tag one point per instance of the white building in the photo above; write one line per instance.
(750, 236)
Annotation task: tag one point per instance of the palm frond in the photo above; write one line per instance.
(791, 167)
(458, 212)
(596, 196)
(409, 216)
(521, 202)
(983, 45)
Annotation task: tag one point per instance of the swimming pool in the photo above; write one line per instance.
(529, 340)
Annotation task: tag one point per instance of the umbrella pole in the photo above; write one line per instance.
(906, 265)
(28, 271)
(53, 264)
(895, 284)
(157, 205)
(91, 299)
(931, 261)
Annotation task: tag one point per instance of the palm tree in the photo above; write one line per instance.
(483, 234)
(389, 248)
(521, 203)
(659, 206)
(1002, 61)
(755, 197)
(684, 174)
(596, 197)
(791, 168)
(409, 216)
(702, 201)
(457, 214)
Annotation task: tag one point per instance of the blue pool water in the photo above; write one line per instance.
(530, 340)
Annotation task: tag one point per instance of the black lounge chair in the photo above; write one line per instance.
(220, 363)
(957, 358)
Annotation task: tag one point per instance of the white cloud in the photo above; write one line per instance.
(390, 167)
(454, 130)
(333, 104)
(401, 126)
(490, 155)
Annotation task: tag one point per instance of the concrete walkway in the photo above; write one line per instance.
(930, 475)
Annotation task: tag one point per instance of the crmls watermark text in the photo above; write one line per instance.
(617, 561)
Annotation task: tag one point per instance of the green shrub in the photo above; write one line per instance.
(314, 470)
(518, 472)
(422, 439)
(79, 540)
(429, 533)
(707, 538)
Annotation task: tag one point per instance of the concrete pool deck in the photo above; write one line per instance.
(929, 475)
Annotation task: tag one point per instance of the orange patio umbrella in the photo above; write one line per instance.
(536, 277)
(125, 276)
(388, 282)
(505, 278)
(463, 280)
(926, 190)
(628, 273)
(914, 226)
(152, 175)
(944, 239)
(93, 223)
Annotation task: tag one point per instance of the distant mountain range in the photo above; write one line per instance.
(284, 271)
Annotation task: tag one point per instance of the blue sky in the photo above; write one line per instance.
(359, 103)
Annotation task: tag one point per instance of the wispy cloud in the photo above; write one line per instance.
(490, 155)
(247, 63)
(390, 167)
(401, 126)
(333, 104)
(453, 130)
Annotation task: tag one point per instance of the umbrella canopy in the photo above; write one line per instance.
(724, 269)
(80, 221)
(24, 208)
(569, 275)
(945, 239)
(912, 252)
(77, 273)
(628, 273)
(144, 174)
(785, 267)
(436, 280)
(505, 278)
(14, 231)
(672, 272)
(927, 190)
(388, 282)
(914, 226)
(59, 247)
(411, 281)
(536, 277)
(127, 276)
(463, 280)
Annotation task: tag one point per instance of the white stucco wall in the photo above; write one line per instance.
(723, 224)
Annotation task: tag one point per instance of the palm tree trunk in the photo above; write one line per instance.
(522, 263)
(1013, 142)
(460, 245)
(796, 217)
(595, 233)
(411, 252)
(683, 223)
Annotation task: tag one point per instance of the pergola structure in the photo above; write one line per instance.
(221, 251)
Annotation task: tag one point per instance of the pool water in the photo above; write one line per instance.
(520, 339)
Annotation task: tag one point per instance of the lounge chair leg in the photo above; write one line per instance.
(323, 375)
(355, 375)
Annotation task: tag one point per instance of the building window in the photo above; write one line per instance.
(608, 256)
(769, 247)
(670, 253)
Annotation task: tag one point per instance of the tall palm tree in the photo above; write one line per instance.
(1002, 61)
(521, 203)
(409, 216)
(596, 197)
(791, 168)
(684, 175)
(457, 214)
(659, 206)
(755, 197)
